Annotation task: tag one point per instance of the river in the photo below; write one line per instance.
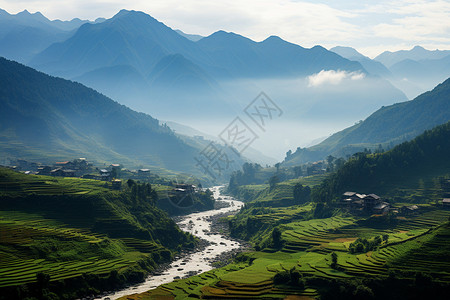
(198, 224)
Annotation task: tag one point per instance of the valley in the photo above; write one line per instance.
(171, 150)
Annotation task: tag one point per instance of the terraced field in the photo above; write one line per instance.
(12, 183)
(71, 252)
(67, 228)
(419, 243)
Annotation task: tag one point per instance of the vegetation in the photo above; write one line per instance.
(396, 172)
(322, 250)
(68, 237)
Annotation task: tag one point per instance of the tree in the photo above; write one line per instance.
(338, 163)
(298, 171)
(330, 159)
(301, 194)
(288, 154)
(115, 172)
(277, 165)
(131, 183)
(273, 181)
(334, 258)
(295, 276)
(276, 237)
(42, 280)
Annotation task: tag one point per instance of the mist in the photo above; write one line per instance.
(312, 107)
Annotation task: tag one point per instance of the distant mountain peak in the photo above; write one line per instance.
(418, 48)
(131, 13)
(347, 52)
(223, 33)
(273, 38)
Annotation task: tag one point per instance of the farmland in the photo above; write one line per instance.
(79, 233)
(414, 244)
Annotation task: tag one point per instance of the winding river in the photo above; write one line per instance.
(198, 224)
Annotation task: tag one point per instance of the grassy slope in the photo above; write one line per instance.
(68, 227)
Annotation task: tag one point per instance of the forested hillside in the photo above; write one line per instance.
(408, 165)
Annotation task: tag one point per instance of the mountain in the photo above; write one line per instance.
(422, 69)
(417, 53)
(214, 78)
(388, 126)
(46, 119)
(24, 35)
(192, 37)
(372, 66)
(129, 38)
(242, 57)
(137, 39)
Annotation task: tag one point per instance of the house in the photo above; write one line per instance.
(348, 194)
(116, 184)
(143, 171)
(44, 170)
(64, 164)
(371, 201)
(183, 189)
(105, 175)
(409, 210)
(62, 172)
(381, 208)
(186, 187)
(446, 202)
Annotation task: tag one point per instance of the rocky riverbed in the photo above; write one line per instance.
(215, 249)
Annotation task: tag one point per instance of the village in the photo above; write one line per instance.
(374, 204)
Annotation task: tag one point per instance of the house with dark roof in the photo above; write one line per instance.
(370, 203)
(105, 175)
(409, 210)
(381, 208)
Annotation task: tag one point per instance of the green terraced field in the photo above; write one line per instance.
(419, 243)
(78, 230)
(73, 251)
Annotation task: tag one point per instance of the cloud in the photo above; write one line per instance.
(332, 77)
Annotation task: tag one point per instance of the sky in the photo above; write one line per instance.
(369, 26)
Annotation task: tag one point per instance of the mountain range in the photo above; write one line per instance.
(24, 35)
(46, 119)
(412, 71)
(144, 64)
(171, 76)
(389, 58)
(385, 128)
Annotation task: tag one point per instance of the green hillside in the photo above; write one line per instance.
(81, 234)
(388, 126)
(410, 170)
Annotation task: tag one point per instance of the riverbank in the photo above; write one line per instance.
(219, 225)
(214, 248)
